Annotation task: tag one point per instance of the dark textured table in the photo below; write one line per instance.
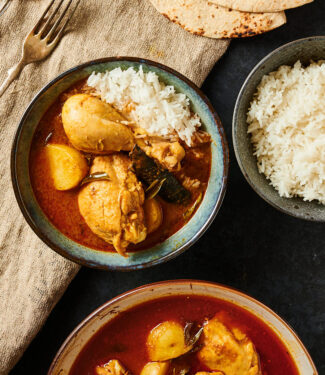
(275, 258)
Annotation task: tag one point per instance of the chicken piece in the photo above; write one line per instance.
(168, 154)
(113, 367)
(209, 373)
(189, 183)
(228, 351)
(94, 126)
(113, 209)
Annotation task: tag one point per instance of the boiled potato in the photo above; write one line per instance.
(67, 166)
(153, 214)
(155, 368)
(166, 341)
(94, 126)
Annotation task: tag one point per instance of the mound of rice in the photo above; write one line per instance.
(287, 126)
(155, 107)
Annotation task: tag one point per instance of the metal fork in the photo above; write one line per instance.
(40, 42)
(4, 7)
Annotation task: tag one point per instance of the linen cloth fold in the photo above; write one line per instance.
(32, 276)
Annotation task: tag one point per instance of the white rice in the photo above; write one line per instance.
(155, 107)
(287, 126)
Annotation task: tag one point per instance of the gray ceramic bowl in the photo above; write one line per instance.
(304, 50)
(162, 252)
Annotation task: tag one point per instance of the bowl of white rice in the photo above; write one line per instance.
(279, 128)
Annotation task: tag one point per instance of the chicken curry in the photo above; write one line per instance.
(107, 184)
(179, 335)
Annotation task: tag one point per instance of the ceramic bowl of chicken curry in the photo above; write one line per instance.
(120, 163)
(183, 327)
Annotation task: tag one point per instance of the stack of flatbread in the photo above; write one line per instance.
(227, 18)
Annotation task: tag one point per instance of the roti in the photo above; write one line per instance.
(204, 18)
(261, 5)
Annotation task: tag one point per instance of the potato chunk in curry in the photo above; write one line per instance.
(156, 368)
(228, 351)
(153, 214)
(113, 209)
(166, 341)
(67, 166)
(94, 126)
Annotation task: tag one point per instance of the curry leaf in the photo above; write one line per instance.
(190, 339)
(188, 213)
(47, 139)
(187, 333)
(96, 176)
(154, 188)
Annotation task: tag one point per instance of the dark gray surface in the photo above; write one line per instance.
(275, 258)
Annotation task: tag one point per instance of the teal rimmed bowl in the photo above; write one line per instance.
(174, 245)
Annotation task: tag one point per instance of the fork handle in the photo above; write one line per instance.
(13, 73)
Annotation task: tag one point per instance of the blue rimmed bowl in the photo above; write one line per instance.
(174, 245)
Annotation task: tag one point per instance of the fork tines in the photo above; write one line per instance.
(4, 6)
(48, 25)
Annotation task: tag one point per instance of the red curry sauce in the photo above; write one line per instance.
(124, 338)
(61, 207)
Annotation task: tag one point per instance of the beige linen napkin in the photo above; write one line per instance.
(33, 277)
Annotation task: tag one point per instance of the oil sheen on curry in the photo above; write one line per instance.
(109, 178)
(185, 335)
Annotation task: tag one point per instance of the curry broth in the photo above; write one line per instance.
(124, 338)
(61, 207)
